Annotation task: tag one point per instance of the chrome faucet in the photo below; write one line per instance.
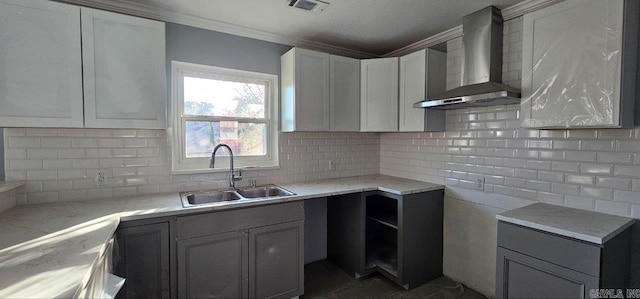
(232, 176)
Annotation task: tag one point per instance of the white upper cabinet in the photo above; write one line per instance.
(379, 95)
(40, 64)
(344, 102)
(305, 90)
(422, 75)
(124, 71)
(579, 65)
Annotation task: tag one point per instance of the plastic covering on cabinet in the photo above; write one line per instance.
(572, 61)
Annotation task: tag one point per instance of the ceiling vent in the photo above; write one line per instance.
(314, 6)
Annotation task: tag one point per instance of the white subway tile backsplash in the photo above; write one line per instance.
(15, 165)
(614, 158)
(56, 142)
(627, 171)
(57, 164)
(36, 175)
(72, 174)
(614, 183)
(84, 142)
(41, 153)
(602, 169)
(598, 193)
(61, 164)
(17, 141)
(580, 202)
(71, 153)
(626, 196)
(597, 145)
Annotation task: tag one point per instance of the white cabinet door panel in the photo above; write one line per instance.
(311, 90)
(124, 71)
(412, 89)
(40, 64)
(572, 57)
(345, 94)
(379, 95)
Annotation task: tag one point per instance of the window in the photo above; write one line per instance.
(213, 105)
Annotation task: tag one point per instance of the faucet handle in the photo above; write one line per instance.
(238, 177)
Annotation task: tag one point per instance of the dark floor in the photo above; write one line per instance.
(324, 280)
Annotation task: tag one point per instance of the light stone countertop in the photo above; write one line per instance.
(49, 250)
(6, 186)
(583, 225)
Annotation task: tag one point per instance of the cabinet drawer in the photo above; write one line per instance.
(573, 254)
(522, 276)
(234, 220)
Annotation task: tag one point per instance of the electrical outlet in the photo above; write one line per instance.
(480, 184)
(101, 179)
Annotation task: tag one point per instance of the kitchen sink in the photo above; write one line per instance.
(264, 191)
(197, 198)
(208, 197)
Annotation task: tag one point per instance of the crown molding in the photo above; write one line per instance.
(149, 12)
(431, 41)
(525, 7)
(508, 13)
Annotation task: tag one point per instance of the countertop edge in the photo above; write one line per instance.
(564, 232)
(10, 185)
(87, 278)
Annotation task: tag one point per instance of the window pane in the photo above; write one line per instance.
(223, 98)
(246, 139)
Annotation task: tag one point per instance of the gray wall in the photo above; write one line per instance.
(195, 45)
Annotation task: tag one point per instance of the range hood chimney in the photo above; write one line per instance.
(482, 66)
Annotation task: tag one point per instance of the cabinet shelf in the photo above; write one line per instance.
(389, 222)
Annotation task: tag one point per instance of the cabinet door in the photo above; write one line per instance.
(276, 261)
(522, 276)
(40, 64)
(421, 76)
(213, 266)
(379, 95)
(412, 89)
(345, 94)
(124, 71)
(571, 65)
(311, 90)
(144, 252)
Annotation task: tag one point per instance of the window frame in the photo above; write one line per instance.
(180, 163)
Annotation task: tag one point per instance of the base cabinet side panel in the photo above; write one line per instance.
(276, 261)
(522, 276)
(345, 232)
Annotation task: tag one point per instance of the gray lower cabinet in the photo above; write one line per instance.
(399, 236)
(244, 253)
(213, 266)
(143, 259)
(276, 262)
(536, 264)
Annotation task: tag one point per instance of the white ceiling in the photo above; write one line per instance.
(372, 26)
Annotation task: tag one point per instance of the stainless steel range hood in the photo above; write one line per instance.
(482, 71)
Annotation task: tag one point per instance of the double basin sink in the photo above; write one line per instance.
(190, 199)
